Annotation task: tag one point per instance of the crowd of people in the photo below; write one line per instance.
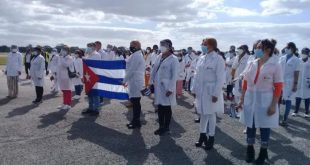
(254, 83)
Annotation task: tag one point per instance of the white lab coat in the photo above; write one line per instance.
(37, 70)
(303, 88)
(258, 97)
(94, 56)
(135, 67)
(14, 64)
(189, 59)
(230, 58)
(240, 67)
(288, 68)
(181, 70)
(65, 62)
(109, 56)
(165, 75)
(53, 63)
(208, 81)
(78, 65)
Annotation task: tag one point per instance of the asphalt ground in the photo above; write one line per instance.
(39, 135)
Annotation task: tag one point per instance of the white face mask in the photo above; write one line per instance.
(163, 49)
(239, 51)
(63, 52)
(304, 56)
(35, 53)
(14, 50)
(147, 51)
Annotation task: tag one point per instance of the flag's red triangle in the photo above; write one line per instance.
(90, 78)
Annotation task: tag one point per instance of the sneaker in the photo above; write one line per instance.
(76, 97)
(306, 116)
(87, 111)
(294, 114)
(66, 107)
(37, 102)
(61, 106)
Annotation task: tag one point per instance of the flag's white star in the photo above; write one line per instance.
(87, 76)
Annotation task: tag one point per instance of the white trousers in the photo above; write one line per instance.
(207, 124)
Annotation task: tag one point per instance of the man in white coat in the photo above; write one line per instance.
(93, 101)
(13, 70)
(53, 67)
(291, 68)
(208, 81)
(37, 70)
(189, 58)
(303, 88)
(134, 79)
(164, 75)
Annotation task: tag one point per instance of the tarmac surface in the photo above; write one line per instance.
(39, 135)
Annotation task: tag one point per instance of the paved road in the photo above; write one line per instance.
(42, 135)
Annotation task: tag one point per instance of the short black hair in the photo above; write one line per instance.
(268, 44)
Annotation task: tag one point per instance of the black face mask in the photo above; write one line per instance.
(133, 49)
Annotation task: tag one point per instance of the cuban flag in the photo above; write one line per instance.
(103, 78)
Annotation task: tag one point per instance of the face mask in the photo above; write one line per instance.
(304, 56)
(14, 50)
(240, 52)
(88, 50)
(132, 49)
(288, 51)
(147, 51)
(54, 53)
(163, 49)
(259, 53)
(108, 49)
(204, 49)
(63, 52)
(35, 53)
(189, 51)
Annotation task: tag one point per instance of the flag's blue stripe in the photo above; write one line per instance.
(108, 94)
(108, 80)
(112, 65)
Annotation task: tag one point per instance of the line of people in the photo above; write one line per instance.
(256, 82)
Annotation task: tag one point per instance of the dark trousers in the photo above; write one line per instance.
(136, 110)
(27, 68)
(298, 102)
(78, 89)
(46, 67)
(264, 133)
(164, 116)
(229, 90)
(39, 93)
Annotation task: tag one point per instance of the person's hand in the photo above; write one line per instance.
(294, 88)
(271, 110)
(239, 107)
(124, 84)
(19, 72)
(82, 80)
(214, 99)
(168, 93)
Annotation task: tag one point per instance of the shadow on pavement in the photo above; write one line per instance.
(4, 101)
(131, 147)
(21, 110)
(52, 118)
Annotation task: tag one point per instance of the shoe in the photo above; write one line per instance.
(306, 116)
(197, 120)
(210, 143)
(87, 111)
(37, 101)
(133, 126)
(263, 155)
(94, 113)
(66, 107)
(284, 124)
(250, 154)
(294, 114)
(202, 139)
(61, 106)
(244, 131)
(159, 131)
(76, 97)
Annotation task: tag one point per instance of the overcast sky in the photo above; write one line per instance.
(185, 22)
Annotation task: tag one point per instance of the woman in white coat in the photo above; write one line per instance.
(303, 88)
(261, 90)
(65, 83)
(53, 67)
(209, 80)
(164, 76)
(291, 68)
(135, 67)
(37, 70)
(78, 81)
(181, 75)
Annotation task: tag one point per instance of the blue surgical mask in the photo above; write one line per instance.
(204, 49)
(88, 50)
(259, 53)
(288, 51)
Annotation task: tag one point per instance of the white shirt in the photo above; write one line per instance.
(303, 88)
(28, 57)
(94, 56)
(14, 64)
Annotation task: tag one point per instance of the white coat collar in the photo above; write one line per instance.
(271, 60)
